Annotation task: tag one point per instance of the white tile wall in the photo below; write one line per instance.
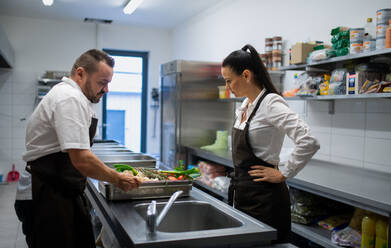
(351, 124)
(357, 134)
(378, 151)
(378, 125)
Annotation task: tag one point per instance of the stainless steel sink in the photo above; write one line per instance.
(189, 216)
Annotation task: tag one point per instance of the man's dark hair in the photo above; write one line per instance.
(90, 60)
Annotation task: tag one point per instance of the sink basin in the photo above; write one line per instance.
(188, 216)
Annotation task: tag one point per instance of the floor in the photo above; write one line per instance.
(11, 235)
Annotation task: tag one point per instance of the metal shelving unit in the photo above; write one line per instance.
(341, 97)
(221, 157)
(340, 61)
(216, 193)
(357, 187)
(43, 87)
(316, 234)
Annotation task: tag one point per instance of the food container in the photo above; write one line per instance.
(383, 15)
(380, 43)
(355, 47)
(356, 34)
(277, 43)
(223, 92)
(381, 30)
(147, 190)
(369, 45)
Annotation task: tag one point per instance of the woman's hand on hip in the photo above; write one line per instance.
(266, 174)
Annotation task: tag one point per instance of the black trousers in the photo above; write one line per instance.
(24, 211)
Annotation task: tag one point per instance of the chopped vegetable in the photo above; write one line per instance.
(124, 167)
(193, 172)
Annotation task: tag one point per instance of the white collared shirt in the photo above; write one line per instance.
(61, 121)
(267, 130)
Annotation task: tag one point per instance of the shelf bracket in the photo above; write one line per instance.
(331, 107)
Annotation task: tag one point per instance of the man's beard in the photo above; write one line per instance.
(93, 98)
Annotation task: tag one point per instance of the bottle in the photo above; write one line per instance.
(368, 227)
(370, 29)
(388, 35)
(381, 233)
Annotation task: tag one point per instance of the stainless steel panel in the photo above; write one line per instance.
(147, 190)
(191, 113)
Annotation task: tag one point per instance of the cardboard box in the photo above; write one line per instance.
(300, 52)
(355, 81)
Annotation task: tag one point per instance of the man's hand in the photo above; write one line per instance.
(127, 182)
(266, 174)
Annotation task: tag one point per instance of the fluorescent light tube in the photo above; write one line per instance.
(132, 6)
(47, 2)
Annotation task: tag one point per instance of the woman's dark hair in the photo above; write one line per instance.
(241, 60)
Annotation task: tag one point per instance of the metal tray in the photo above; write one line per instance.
(147, 190)
(136, 161)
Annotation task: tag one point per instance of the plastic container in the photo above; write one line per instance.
(381, 233)
(370, 29)
(277, 43)
(368, 228)
(223, 92)
(380, 43)
(356, 34)
(356, 47)
(369, 45)
(381, 30)
(383, 15)
(388, 35)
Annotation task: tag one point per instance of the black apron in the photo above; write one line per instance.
(267, 202)
(61, 217)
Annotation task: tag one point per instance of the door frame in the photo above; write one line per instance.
(144, 94)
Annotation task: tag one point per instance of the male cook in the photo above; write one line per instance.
(58, 139)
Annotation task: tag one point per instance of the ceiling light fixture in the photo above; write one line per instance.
(47, 2)
(131, 6)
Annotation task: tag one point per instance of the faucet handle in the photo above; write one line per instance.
(151, 216)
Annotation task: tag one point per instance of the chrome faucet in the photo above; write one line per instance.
(152, 221)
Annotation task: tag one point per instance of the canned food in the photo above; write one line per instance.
(380, 43)
(381, 30)
(382, 16)
(356, 34)
(369, 45)
(355, 47)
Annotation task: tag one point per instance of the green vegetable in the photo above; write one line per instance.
(124, 167)
(193, 172)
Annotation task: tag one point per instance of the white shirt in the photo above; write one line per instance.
(267, 130)
(61, 121)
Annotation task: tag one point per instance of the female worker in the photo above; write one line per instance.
(258, 186)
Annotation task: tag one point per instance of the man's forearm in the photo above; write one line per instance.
(91, 166)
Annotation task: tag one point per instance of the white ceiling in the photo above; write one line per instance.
(151, 13)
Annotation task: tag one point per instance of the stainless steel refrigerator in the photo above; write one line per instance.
(191, 112)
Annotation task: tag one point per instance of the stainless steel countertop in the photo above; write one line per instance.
(130, 229)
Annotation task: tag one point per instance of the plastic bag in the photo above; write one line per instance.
(346, 237)
(319, 55)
